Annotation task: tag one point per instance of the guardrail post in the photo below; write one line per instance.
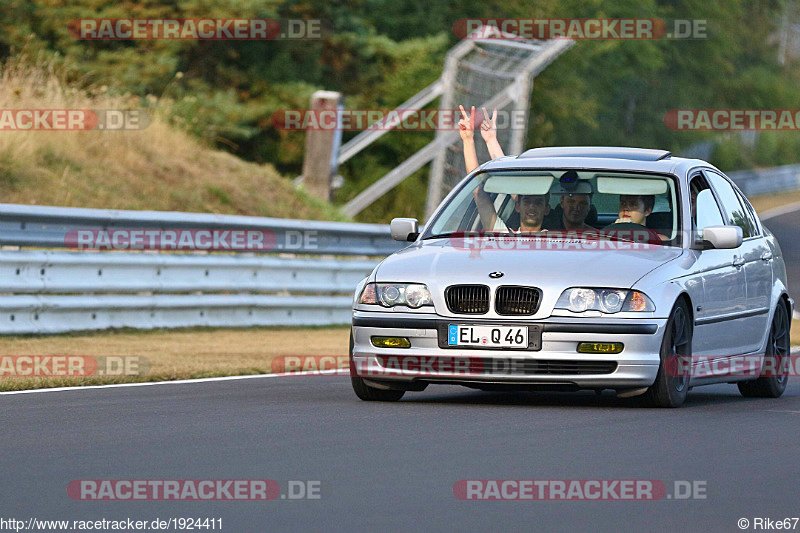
(319, 161)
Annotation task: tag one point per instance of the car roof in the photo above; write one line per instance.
(612, 152)
(598, 157)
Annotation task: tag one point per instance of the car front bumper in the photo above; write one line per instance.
(556, 364)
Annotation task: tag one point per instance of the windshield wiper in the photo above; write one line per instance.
(441, 236)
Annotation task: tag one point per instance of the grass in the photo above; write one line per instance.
(177, 354)
(159, 168)
(766, 202)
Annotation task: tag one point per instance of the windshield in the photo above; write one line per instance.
(591, 203)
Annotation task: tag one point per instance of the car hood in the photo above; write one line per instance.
(440, 263)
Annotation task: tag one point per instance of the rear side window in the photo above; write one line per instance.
(736, 214)
(750, 212)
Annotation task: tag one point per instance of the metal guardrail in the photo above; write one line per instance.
(767, 180)
(47, 227)
(47, 272)
(44, 313)
(54, 291)
(58, 291)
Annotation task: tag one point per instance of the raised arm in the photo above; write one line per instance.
(466, 127)
(485, 207)
(489, 134)
(482, 199)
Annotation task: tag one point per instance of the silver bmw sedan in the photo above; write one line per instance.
(579, 268)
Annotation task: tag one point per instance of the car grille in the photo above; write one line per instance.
(517, 300)
(547, 366)
(467, 299)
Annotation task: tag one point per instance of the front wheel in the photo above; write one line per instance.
(672, 383)
(364, 391)
(774, 382)
(371, 394)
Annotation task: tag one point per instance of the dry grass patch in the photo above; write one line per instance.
(181, 354)
(764, 203)
(158, 168)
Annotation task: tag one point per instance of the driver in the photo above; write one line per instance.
(634, 209)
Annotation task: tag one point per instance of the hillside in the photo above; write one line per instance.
(158, 168)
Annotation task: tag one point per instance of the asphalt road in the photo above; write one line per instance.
(392, 467)
(785, 227)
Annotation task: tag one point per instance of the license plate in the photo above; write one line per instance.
(488, 336)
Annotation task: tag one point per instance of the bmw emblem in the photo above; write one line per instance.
(495, 275)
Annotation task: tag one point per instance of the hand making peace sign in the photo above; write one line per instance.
(466, 125)
(489, 125)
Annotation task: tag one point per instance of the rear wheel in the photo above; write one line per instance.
(774, 382)
(364, 391)
(672, 382)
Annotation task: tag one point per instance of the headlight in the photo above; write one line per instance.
(580, 299)
(390, 294)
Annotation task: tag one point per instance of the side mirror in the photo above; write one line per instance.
(722, 237)
(404, 229)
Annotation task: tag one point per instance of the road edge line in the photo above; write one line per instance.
(778, 211)
(179, 381)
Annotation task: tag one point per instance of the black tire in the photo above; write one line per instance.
(778, 346)
(371, 394)
(671, 386)
(364, 391)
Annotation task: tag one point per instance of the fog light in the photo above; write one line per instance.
(600, 347)
(391, 342)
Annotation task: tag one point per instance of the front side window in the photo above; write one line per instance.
(705, 211)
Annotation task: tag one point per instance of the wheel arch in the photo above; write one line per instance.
(688, 299)
(784, 299)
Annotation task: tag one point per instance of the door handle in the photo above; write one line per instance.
(766, 257)
(738, 262)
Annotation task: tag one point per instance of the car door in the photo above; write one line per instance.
(724, 291)
(747, 329)
(758, 268)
